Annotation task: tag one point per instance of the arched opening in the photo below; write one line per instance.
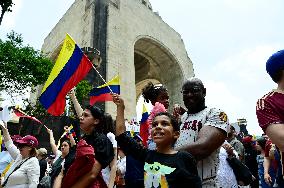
(154, 62)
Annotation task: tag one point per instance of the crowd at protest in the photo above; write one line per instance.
(194, 146)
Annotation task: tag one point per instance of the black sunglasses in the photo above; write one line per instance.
(192, 90)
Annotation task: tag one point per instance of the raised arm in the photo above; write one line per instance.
(6, 135)
(209, 139)
(12, 149)
(79, 110)
(120, 121)
(52, 141)
(113, 168)
(72, 140)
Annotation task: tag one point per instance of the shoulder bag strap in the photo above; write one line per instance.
(5, 182)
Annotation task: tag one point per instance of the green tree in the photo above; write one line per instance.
(6, 6)
(21, 66)
(82, 91)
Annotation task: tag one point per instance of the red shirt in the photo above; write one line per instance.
(270, 109)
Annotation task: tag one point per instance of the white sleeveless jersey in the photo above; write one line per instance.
(189, 129)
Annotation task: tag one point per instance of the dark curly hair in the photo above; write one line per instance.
(97, 113)
(108, 124)
(151, 92)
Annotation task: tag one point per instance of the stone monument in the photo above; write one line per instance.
(133, 41)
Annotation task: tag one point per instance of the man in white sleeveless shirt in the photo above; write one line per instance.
(202, 131)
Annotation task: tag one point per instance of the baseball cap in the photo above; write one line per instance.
(247, 139)
(42, 151)
(275, 63)
(28, 140)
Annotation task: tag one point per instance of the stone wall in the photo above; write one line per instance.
(131, 27)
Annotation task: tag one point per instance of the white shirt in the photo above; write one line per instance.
(225, 175)
(121, 165)
(27, 176)
(106, 171)
(189, 129)
(5, 160)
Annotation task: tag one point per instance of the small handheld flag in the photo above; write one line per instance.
(103, 92)
(144, 126)
(19, 113)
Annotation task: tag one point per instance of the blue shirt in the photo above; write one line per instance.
(5, 159)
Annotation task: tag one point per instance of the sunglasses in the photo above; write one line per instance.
(22, 146)
(192, 90)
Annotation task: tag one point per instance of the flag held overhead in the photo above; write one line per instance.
(71, 66)
(103, 92)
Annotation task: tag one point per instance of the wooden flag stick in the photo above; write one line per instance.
(102, 78)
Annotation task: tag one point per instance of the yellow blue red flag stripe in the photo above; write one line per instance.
(144, 126)
(103, 92)
(71, 66)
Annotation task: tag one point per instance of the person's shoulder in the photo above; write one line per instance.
(111, 136)
(270, 96)
(214, 110)
(101, 136)
(185, 154)
(33, 160)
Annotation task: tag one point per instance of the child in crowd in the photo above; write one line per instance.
(159, 98)
(156, 93)
(164, 167)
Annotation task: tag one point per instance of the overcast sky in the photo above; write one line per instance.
(228, 42)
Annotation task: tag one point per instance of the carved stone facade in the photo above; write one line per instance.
(134, 42)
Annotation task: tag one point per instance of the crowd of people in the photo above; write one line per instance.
(195, 146)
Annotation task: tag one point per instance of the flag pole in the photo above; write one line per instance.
(30, 116)
(102, 78)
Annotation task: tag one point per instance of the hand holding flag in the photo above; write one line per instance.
(104, 92)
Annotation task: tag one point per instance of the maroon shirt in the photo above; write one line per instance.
(270, 109)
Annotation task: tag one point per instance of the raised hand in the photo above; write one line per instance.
(229, 149)
(66, 129)
(117, 100)
(3, 125)
(49, 131)
(71, 92)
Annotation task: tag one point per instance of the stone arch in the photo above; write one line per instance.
(133, 40)
(153, 61)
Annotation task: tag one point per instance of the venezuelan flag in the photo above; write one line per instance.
(144, 126)
(103, 93)
(71, 66)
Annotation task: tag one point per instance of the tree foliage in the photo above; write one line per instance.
(6, 6)
(21, 67)
(82, 91)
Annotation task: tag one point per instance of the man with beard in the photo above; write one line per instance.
(202, 131)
